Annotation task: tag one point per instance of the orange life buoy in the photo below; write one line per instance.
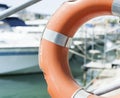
(54, 51)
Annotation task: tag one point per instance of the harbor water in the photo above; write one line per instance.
(23, 86)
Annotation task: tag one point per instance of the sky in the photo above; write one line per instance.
(42, 7)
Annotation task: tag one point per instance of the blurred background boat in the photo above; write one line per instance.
(19, 42)
(19, 47)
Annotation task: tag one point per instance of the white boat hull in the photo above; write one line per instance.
(19, 60)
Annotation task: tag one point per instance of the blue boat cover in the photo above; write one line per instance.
(14, 21)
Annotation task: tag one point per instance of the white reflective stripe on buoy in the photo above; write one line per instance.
(57, 38)
(81, 93)
(116, 7)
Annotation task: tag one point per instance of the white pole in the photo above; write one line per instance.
(17, 8)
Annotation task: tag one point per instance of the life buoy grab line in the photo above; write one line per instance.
(54, 51)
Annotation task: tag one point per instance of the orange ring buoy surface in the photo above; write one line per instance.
(53, 51)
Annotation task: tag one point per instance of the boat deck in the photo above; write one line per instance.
(106, 77)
